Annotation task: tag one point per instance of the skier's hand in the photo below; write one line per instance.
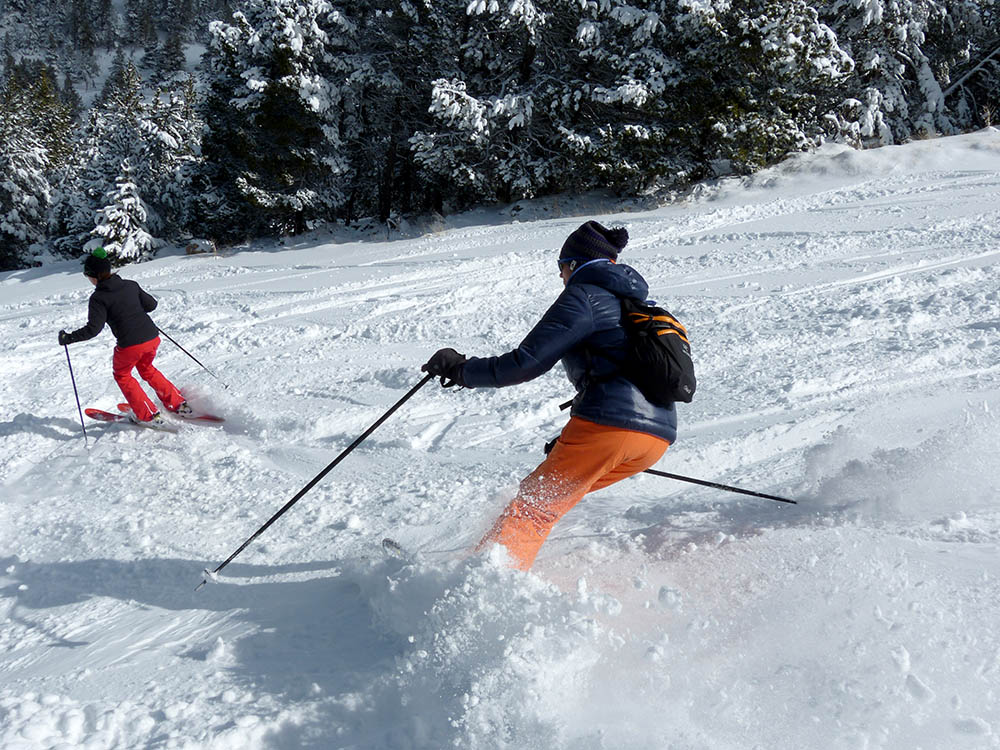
(64, 338)
(550, 445)
(446, 364)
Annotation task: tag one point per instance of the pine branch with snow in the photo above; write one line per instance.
(121, 225)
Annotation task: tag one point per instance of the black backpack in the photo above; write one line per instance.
(657, 354)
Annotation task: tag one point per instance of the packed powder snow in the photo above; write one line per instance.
(845, 320)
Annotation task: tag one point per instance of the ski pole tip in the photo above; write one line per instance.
(209, 575)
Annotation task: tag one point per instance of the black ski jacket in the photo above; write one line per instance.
(122, 305)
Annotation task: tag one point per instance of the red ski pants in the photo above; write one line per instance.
(586, 457)
(141, 357)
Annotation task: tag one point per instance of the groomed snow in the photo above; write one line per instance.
(845, 317)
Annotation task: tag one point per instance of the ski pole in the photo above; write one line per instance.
(361, 438)
(702, 482)
(718, 486)
(192, 357)
(75, 393)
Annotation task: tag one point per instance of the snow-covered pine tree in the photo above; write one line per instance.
(272, 145)
(617, 110)
(33, 85)
(24, 187)
(34, 142)
(320, 110)
(168, 57)
(973, 79)
(903, 51)
(118, 132)
(491, 137)
(410, 45)
(140, 23)
(71, 98)
(179, 17)
(105, 23)
(676, 90)
(172, 135)
(122, 75)
(621, 94)
(81, 186)
(770, 71)
(121, 223)
(549, 96)
(79, 26)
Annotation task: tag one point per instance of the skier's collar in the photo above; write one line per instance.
(588, 263)
(108, 282)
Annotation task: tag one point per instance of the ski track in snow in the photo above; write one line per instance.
(845, 319)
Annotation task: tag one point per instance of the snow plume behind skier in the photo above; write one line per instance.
(124, 306)
(614, 432)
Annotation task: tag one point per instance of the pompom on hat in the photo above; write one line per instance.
(97, 264)
(593, 242)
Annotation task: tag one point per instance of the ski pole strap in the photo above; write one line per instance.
(564, 407)
(312, 483)
(718, 486)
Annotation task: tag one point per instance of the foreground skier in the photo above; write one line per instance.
(124, 306)
(613, 431)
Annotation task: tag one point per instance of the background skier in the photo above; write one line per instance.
(613, 431)
(124, 306)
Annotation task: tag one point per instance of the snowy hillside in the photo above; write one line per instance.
(845, 318)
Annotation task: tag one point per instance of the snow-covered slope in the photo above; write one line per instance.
(845, 316)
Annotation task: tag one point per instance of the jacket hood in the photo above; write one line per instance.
(619, 279)
(112, 283)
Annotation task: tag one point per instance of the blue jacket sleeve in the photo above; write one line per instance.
(564, 325)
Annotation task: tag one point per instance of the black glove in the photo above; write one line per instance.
(446, 364)
(550, 445)
(64, 338)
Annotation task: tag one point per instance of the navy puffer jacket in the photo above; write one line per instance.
(583, 329)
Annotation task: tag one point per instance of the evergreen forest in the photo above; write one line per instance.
(132, 124)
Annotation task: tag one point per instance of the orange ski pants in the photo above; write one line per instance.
(586, 457)
(141, 357)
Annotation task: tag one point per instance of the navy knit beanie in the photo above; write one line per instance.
(593, 241)
(97, 264)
